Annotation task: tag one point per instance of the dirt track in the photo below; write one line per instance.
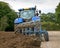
(54, 40)
(10, 40)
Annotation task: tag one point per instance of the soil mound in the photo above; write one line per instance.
(11, 40)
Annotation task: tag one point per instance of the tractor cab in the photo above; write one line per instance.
(25, 15)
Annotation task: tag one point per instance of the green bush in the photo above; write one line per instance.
(50, 26)
(7, 16)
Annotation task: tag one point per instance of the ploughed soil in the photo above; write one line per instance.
(12, 40)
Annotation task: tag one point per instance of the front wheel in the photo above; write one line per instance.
(46, 37)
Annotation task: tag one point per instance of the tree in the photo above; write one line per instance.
(7, 16)
(3, 23)
(58, 13)
(49, 17)
(52, 17)
(43, 17)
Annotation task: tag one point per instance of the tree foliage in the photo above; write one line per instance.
(58, 13)
(49, 17)
(7, 16)
(49, 21)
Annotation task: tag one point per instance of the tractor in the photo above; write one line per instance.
(25, 25)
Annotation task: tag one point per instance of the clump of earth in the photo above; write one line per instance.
(12, 40)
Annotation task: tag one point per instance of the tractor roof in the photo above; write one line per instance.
(33, 8)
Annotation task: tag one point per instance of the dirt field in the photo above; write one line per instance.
(10, 40)
(54, 40)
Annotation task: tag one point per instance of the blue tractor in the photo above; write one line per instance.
(27, 24)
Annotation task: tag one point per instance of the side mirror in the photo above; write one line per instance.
(39, 11)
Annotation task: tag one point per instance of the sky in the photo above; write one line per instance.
(44, 5)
